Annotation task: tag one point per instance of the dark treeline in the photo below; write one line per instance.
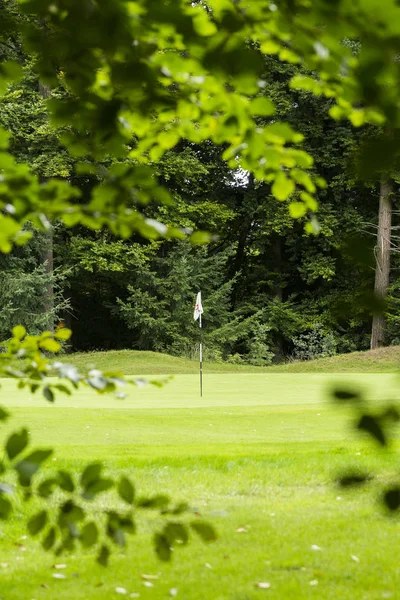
(270, 291)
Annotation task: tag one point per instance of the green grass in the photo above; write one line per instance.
(132, 362)
(259, 451)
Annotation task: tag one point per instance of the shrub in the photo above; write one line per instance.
(315, 343)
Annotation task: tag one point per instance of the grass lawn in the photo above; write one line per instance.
(256, 456)
(131, 362)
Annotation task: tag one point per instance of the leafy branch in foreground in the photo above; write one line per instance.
(68, 513)
(28, 358)
(377, 425)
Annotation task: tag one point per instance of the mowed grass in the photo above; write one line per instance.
(132, 362)
(256, 456)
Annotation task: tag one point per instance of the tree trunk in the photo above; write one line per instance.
(244, 227)
(276, 253)
(382, 250)
(47, 253)
(44, 90)
(48, 263)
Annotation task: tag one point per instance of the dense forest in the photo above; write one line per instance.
(270, 290)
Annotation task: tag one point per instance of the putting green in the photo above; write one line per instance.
(244, 389)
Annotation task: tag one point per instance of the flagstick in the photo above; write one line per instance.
(201, 358)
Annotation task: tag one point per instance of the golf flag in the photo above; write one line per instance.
(198, 309)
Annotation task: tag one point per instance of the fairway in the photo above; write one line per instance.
(256, 456)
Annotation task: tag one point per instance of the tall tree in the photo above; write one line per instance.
(47, 252)
(383, 250)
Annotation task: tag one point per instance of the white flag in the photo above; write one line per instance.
(198, 309)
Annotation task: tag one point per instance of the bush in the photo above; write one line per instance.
(235, 359)
(316, 343)
(259, 353)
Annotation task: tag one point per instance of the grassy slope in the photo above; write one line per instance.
(258, 452)
(131, 362)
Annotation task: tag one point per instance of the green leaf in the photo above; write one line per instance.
(303, 179)
(203, 26)
(303, 82)
(289, 56)
(283, 187)
(262, 107)
(36, 523)
(162, 547)
(5, 508)
(357, 117)
(204, 530)
(391, 414)
(90, 474)
(49, 539)
(320, 182)
(19, 332)
(297, 209)
(200, 237)
(370, 424)
(353, 479)
(115, 530)
(126, 490)
(63, 388)
(392, 498)
(346, 395)
(50, 345)
(16, 443)
(176, 532)
(337, 113)
(281, 132)
(30, 465)
(309, 201)
(117, 536)
(45, 489)
(3, 414)
(89, 535)
(104, 556)
(63, 334)
(168, 139)
(68, 543)
(127, 524)
(269, 47)
(70, 513)
(96, 487)
(156, 502)
(48, 394)
(65, 481)
(180, 508)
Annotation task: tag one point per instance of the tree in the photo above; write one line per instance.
(382, 269)
(24, 281)
(135, 78)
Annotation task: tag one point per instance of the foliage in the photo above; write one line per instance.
(24, 280)
(392, 314)
(208, 194)
(259, 353)
(159, 303)
(316, 343)
(377, 425)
